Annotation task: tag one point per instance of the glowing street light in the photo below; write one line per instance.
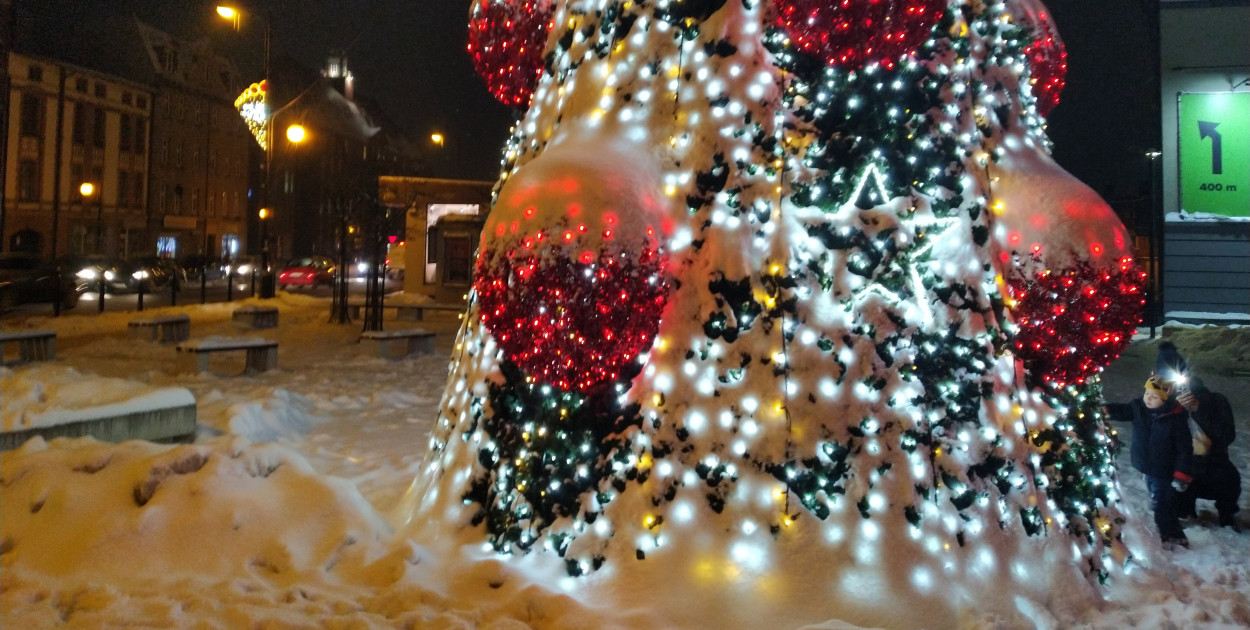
(226, 12)
(437, 138)
(295, 133)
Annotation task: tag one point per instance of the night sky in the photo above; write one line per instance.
(408, 55)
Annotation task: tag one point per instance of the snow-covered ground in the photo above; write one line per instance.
(289, 509)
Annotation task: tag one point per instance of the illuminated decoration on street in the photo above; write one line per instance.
(853, 33)
(1047, 56)
(254, 108)
(506, 40)
(781, 312)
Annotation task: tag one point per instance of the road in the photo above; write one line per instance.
(192, 293)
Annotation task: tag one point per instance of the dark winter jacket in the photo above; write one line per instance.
(1162, 445)
(1215, 417)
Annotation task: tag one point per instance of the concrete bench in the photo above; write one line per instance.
(256, 316)
(163, 329)
(262, 354)
(32, 345)
(409, 312)
(412, 341)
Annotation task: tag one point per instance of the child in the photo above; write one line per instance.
(1162, 450)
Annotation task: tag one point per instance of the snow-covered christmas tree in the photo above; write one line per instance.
(785, 303)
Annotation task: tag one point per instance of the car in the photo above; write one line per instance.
(199, 266)
(149, 273)
(86, 269)
(28, 279)
(242, 266)
(306, 271)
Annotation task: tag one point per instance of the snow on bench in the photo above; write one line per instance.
(163, 329)
(32, 345)
(405, 310)
(52, 401)
(256, 316)
(412, 341)
(261, 354)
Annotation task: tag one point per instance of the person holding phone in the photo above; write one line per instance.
(1211, 424)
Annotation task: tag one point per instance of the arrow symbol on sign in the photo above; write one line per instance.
(1207, 129)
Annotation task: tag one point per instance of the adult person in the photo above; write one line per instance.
(1211, 424)
(1162, 450)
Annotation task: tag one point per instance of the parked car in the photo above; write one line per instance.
(27, 279)
(242, 266)
(199, 266)
(306, 271)
(150, 273)
(86, 269)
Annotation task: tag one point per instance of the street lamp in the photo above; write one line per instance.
(231, 13)
(296, 133)
(437, 138)
(87, 189)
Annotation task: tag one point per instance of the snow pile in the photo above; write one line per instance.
(77, 549)
(61, 395)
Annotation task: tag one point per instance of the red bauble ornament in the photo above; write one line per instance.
(852, 33)
(506, 43)
(1074, 322)
(1046, 55)
(573, 323)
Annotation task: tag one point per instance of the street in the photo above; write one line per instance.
(192, 293)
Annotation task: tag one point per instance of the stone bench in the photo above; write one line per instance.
(412, 341)
(174, 328)
(174, 423)
(32, 345)
(409, 312)
(255, 316)
(262, 354)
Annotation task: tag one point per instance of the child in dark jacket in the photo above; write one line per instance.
(1162, 450)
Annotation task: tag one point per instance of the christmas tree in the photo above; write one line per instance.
(788, 299)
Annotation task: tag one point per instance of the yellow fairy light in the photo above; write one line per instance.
(648, 521)
(775, 269)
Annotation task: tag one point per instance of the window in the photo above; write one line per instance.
(79, 132)
(177, 201)
(212, 160)
(160, 199)
(101, 90)
(141, 101)
(126, 137)
(35, 73)
(28, 181)
(162, 151)
(123, 188)
(80, 85)
(458, 259)
(127, 98)
(31, 115)
(137, 194)
(98, 136)
(141, 136)
(178, 155)
(76, 179)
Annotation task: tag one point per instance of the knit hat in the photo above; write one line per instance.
(1170, 363)
(1158, 386)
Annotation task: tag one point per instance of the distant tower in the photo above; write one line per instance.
(340, 77)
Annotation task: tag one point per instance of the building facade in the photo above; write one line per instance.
(1205, 161)
(70, 126)
(201, 151)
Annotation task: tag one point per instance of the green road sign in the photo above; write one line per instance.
(1215, 153)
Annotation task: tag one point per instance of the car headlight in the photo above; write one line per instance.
(139, 275)
(88, 274)
(108, 275)
(362, 267)
(245, 269)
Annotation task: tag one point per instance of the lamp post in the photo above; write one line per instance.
(1155, 304)
(233, 14)
(88, 189)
